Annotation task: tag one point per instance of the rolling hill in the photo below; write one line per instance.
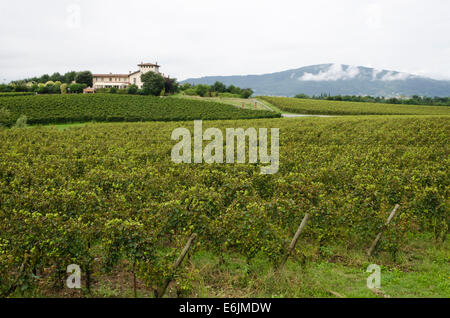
(334, 79)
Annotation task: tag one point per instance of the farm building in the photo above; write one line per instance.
(124, 80)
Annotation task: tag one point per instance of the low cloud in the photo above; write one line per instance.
(335, 72)
(394, 76)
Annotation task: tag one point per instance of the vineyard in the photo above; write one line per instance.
(52, 109)
(13, 94)
(325, 107)
(107, 196)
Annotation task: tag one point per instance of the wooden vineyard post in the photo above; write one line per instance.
(134, 280)
(160, 293)
(255, 105)
(377, 239)
(242, 105)
(294, 240)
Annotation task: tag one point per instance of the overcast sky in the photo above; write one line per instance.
(210, 37)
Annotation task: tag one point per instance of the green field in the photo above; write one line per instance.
(325, 107)
(108, 197)
(52, 109)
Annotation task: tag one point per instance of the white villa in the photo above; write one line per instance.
(124, 80)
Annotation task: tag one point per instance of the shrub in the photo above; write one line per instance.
(57, 89)
(153, 83)
(190, 92)
(185, 86)
(77, 88)
(219, 87)
(102, 90)
(234, 90)
(132, 89)
(246, 93)
(21, 87)
(202, 89)
(42, 89)
(52, 89)
(6, 88)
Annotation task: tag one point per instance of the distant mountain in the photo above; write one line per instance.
(334, 79)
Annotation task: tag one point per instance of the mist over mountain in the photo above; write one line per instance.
(334, 79)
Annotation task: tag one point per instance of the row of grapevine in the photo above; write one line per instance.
(13, 94)
(102, 194)
(51, 109)
(326, 107)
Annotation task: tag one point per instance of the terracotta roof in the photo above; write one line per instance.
(148, 64)
(110, 75)
(133, 73)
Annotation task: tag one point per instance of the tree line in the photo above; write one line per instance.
(153, 84)
(70, 82)
(67, 78)
(414, 100)
(217, 89)
(74, 82)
